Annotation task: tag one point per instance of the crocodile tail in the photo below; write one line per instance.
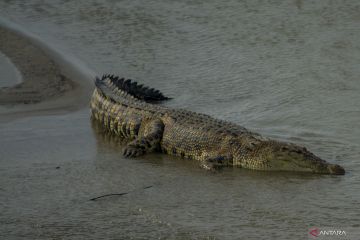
(111, 86)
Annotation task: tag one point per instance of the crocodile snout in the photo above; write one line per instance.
(336, 169)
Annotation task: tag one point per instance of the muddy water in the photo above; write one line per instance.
(289, 70)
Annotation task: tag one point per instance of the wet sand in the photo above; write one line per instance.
(46, 87)
(42, 78)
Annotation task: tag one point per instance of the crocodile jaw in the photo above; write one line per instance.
(278, 156)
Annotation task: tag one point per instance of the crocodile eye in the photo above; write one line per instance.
(249, 146)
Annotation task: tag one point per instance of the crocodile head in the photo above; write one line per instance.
(278, 156)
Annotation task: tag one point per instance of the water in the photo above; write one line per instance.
(10, 74)
(288, 70)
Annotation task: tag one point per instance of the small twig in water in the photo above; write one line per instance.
(107, 195)
(116, 194)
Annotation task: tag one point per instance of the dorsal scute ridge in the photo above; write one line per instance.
(118, 85)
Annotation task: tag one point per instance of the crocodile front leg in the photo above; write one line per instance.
(148, 139)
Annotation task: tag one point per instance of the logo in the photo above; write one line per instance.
(314, 232)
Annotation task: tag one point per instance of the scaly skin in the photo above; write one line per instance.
(123, 109)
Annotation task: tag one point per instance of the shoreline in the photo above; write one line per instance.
(10, 75)
(52, 83)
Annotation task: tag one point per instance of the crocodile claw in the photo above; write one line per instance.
(211, 167)
(131, 151)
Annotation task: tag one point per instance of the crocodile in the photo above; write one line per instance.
(132, 112)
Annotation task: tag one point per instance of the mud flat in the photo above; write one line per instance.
(49, 83)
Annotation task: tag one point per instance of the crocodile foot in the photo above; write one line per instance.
(211, 167)
(133, 151)
(216, 163)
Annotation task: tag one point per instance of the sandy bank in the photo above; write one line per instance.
(42, 79)
(51, 84)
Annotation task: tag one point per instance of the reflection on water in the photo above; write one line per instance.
(287, 70)
(105, 138)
